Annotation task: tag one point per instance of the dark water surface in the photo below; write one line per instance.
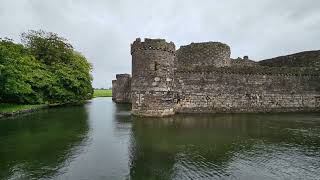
(102, 141)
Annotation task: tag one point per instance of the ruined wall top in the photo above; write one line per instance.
(152, 44)
(195, 47)
(205, 53)
(301, 59)
(245, 61)
(123, 76)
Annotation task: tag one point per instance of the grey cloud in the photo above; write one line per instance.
(103, 29)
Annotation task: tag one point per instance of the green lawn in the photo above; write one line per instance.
(102, 93)
(11, 108)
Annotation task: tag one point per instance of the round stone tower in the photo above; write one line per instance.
(204, 54)
(152, 77)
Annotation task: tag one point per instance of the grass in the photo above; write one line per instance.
(12, 108)
(102, 93)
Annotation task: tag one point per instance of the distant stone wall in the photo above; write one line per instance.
(209, 53)
(233, 93)
(114, 89)
(121, 88)
(152, 77)
(302, 59)
(244, 62)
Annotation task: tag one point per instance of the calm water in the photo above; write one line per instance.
(102, 141)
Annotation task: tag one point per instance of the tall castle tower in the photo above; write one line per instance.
(152, 77)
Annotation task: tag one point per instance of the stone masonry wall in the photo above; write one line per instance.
(121, 88)
(209, 53)
(202, 78)
(225, 92)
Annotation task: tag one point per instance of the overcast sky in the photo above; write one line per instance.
(102, 30)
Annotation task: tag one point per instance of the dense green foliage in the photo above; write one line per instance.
(44, 69)
(102, 93)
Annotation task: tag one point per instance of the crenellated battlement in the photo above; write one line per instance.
(152, 44)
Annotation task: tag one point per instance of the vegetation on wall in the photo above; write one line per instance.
(43, 69)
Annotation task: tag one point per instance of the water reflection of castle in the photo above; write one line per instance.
(186, 147)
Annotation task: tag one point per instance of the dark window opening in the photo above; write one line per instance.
(155, 66)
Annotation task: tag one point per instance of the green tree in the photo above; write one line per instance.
(47, 47)
(44, 69)
(21, 75)
(71, 81)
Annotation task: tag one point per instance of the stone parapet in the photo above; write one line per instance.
(152, 44)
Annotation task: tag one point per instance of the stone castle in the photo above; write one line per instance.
(202, 78)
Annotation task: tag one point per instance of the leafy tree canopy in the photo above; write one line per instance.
(44, 69)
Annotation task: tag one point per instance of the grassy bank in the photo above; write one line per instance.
(11, 109)
(14, 109)
(102, 93)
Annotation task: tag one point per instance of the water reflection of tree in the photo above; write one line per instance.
(203, 146)
(38, 145)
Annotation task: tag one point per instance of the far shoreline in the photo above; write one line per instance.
(10, 110)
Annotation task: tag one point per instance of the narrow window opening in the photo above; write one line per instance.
(155, 66)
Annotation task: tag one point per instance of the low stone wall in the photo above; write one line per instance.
(234, 93)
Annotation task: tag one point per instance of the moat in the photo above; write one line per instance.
(101, 140)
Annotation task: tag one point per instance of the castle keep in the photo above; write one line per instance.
(202, 78)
